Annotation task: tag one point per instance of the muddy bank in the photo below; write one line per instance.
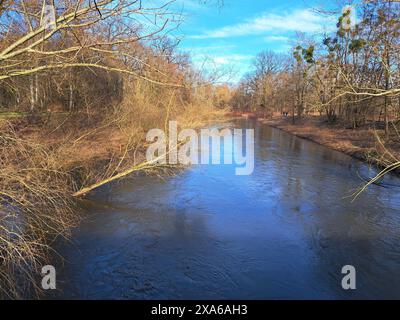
(360, 143)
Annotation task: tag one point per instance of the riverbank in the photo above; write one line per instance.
(365, 143)
(47, 161)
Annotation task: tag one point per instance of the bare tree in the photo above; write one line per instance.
(84, 33)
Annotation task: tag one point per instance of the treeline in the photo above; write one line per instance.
(351, 76)
(84, 59)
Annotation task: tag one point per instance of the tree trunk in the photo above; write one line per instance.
(32, 93)
(71, 97)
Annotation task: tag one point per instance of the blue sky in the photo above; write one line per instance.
(228, 38)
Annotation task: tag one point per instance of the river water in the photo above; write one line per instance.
(284, 232)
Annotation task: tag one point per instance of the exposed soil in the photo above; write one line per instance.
(360, 143)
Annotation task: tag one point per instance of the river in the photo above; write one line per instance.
(284, 232)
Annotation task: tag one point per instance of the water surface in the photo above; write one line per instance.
(283, 232)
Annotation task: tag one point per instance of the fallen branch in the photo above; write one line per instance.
(388, 169)
(142, 166)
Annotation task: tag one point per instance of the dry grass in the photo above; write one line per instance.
(34, 209)
(43, 166)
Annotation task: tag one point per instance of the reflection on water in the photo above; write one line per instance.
(283, 232)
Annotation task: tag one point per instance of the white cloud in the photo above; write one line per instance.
(303, 20)
(276, 39)
(231, 59)
(223, 59)
(209, 49)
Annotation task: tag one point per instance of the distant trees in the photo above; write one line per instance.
(259, 91)
(353, 75)
(222, 96)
